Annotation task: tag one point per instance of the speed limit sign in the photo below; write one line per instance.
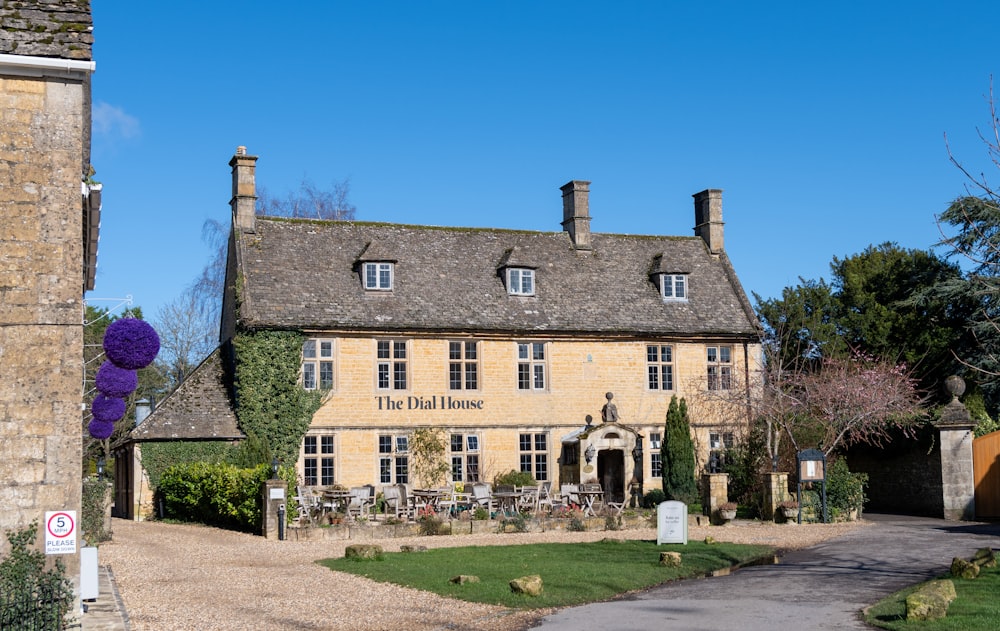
(60, 532)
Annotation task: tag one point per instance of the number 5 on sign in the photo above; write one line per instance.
(60, 532)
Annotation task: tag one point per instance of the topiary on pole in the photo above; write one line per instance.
(677, 455)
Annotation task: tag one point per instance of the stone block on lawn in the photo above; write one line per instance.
(930, 601)
(670, 559)
(462, 579)
(363, 551)
(530, 585)
(985, 557)
(960, 568)
(413, 548)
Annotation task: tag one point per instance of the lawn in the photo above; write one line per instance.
(572, 573)
(977, 607)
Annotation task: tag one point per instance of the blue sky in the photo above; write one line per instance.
(824, 125)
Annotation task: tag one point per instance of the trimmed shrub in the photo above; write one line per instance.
(217, 494)
(514, 478)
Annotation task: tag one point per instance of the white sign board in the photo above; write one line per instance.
(60, 532)
(672, 522)
(276, 493)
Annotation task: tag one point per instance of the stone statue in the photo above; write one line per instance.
(609, 413)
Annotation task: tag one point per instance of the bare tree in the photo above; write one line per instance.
(310, 202)
(976, 218)
(187, 335)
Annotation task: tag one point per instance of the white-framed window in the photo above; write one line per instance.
(464, 458)
(721, 440)
(378, 276)
(531, 365)
(520, 281)
(317, 364)
(659, 366)
(463, 365)
(318, 459)
(674, 286)
(655, 457)
(534, 452)
(720, 367)
(394, 458)
(391, 364)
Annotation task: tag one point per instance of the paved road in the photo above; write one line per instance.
(824, 587)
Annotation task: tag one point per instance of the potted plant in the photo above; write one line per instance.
(727, 511)
(789, 508)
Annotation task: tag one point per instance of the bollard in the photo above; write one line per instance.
(281, 522)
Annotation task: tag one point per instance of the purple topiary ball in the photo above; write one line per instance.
(131, 343)
(114, 381)
(108, 409)
(101, 429)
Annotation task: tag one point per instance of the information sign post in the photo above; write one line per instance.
(812, 468)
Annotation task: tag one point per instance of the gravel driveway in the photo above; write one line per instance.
(185, 577)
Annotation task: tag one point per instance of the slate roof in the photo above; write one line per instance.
(302, 274)
(199, 409)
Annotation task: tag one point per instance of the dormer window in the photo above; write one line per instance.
(673, 287)
(378, 276)
(520, 281)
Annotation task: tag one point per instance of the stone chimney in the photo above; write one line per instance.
(708, 218)
(576, 213)
(244, 199)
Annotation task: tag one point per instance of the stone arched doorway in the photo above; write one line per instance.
(611, 474)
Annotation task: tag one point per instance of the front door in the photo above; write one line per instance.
(611, 473)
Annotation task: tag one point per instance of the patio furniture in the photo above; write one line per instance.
(545, 497)
(307, 505)
(570, 494)
(528, 499)
(396, 501)
(483, 497)
(361, 502)
(590, 493)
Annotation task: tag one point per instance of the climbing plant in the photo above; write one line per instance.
(270, 403)
(427, 453)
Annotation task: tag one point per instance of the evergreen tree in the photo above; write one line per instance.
(677, 455)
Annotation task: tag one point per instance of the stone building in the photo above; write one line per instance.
(48, 245)
(505, 340)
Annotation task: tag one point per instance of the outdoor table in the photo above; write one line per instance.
(338, 498)
(507, 501)
(588, 498)
(431, 498)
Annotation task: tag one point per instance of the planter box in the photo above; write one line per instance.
(482, 526)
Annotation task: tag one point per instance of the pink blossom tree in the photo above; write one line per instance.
(849, 400)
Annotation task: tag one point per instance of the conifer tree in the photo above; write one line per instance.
(677, 455)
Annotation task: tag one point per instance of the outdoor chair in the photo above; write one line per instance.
(396, 501)
(528, 499)
(483, 497)
(545, 497)
(570, 494)
(361, 501)
(307, 505)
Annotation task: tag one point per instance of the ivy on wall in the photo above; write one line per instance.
(157, 457)
(270, 403)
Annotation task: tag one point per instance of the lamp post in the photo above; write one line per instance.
(274, 468)
(100, 468)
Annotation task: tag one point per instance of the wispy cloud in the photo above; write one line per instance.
(113, 123)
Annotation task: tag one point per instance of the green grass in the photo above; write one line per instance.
(572, 573)
(977, 607)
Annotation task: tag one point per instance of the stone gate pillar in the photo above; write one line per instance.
(775, 491)
(957, 476)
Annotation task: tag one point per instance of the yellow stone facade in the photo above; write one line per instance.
(578, 373)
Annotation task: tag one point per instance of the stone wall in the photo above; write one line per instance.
(44, 131)
(903, 477)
